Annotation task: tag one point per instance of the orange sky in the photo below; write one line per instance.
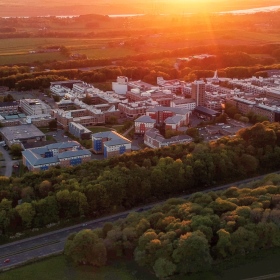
(76, 7)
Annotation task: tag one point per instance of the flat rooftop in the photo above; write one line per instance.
(25, 131)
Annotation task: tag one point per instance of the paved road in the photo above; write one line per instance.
(8, 162)
(265, 277)
(52, 243)
(35, 247)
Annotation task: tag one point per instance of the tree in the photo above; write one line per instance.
(193, 132)
(243, 240)
(223, 247)
(164, 268)
(46, 211)
(5, 214)
(16, 150)
(192, 253)
(27, 213)
(86, 247)
(65, 51)
(9, 98)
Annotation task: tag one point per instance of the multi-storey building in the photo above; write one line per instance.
(121, 85)
(198, 92)
(273, 93)
(34, 107)
(162, 97)
(79, 131)
(175, 86)
(133, 110)
(83, 116)
(8, 107)
(173, 123)
(185, 103)
(160, 114)
(110, 144)
(143, 123)
(64, 154)
(243, 105)
(267, 111)
(40, 120)
(154, 139)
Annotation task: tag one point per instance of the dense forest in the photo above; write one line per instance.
(187, 236)
(102, 187)
(230, 65)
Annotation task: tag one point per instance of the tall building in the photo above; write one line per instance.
(198, 92)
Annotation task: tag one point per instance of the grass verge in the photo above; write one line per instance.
(256, 264)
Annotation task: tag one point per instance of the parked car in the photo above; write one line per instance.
(6, 260)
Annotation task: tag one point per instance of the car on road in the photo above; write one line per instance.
(7, 260)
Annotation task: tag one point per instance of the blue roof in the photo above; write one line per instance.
(68, 154)
(145, 119)
(116, 142)
(62, 145)
(36, 157)
(111, 135)
(173, 120)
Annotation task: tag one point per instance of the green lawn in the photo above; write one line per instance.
(254, 265)
(57, 268)
(96, 129)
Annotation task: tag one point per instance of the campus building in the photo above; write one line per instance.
(154, 139)
(21, 134)
(64, 154)
(34, 107)
(198, 92)
(8, 107)
(110, 144)
(79, 131)
(160, 114)
(83, 116)
(143, 123)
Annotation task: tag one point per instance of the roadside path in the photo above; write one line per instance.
(8, 162)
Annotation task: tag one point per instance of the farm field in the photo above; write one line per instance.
(13, 51)
(16, 51)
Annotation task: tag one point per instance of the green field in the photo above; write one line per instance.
(256, 264)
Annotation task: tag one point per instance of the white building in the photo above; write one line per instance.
(34, 107)
(186, 103)
(121, 85)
